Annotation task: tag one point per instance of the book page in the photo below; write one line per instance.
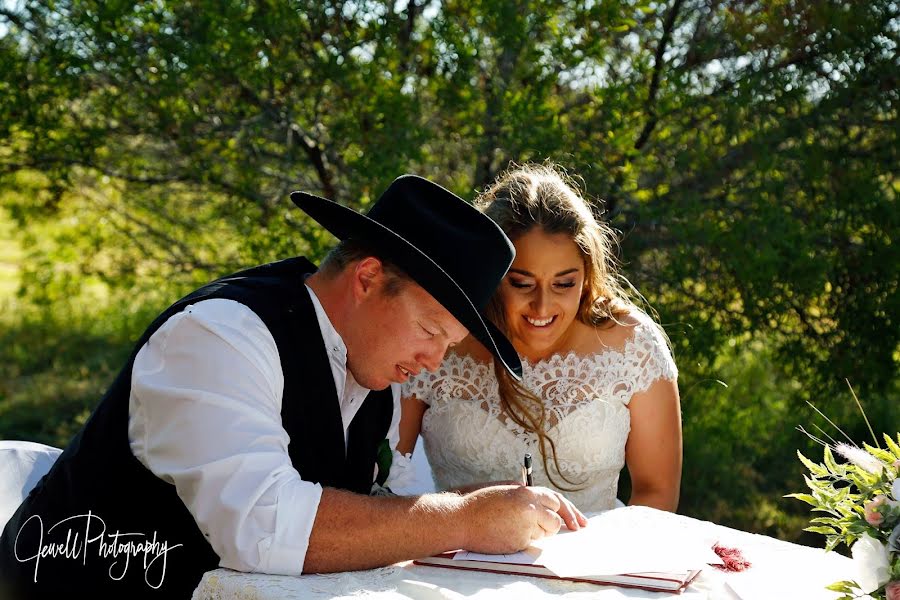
(616, 543)
(613, 543)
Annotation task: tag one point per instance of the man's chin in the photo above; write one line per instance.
(376, 384)
(369, 380)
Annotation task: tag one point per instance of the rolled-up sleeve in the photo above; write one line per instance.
(205, 415)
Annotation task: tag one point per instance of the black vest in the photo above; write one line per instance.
(98, 475)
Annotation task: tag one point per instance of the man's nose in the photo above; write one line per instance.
(432, 358)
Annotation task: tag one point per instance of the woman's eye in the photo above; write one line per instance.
(519, 284)
(567, 284)
(428, 333)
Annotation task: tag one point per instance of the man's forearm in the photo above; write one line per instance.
(353, 532)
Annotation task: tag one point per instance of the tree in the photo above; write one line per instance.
(747, 150)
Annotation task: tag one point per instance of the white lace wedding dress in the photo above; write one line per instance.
(468, 439)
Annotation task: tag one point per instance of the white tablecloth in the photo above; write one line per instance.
(779, 570)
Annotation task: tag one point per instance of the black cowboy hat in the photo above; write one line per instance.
(457, 254)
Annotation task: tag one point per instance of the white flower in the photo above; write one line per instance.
(402, 474)
(872, 563)
(895, 489)
(859, 457)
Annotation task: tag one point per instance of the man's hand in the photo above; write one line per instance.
(572, 518)
(496, 520)
(504, 519)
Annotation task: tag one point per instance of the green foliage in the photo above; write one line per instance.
(384, 456)
(858, 498)
(747, 150)
(706, 129)
(738, 438)
(56, 362)
(841, 489)
(849, 588)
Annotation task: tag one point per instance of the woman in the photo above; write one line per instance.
(599, 387)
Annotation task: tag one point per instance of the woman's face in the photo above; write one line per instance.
(541, 292)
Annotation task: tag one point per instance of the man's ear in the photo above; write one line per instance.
(367, 276)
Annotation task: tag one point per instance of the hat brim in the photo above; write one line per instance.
(345, 223)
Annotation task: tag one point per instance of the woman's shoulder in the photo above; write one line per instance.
(471, 349)
(615, 333)
(631, 350)
(641, 342)
(468, 360)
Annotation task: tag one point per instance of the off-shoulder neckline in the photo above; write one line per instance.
(558, 357)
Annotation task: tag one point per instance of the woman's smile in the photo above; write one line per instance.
(541, 294)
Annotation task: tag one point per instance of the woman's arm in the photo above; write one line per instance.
(412, 409)
(653, 450)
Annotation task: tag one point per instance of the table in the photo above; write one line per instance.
(779, 570)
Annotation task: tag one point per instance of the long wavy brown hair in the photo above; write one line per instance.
(528, 196)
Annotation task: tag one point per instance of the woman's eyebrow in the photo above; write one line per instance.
(530, 274)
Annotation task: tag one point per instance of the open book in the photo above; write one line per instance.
(628, 547)
(674, 582)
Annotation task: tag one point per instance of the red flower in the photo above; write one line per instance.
(734, 560)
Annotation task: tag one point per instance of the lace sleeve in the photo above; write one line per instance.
(421, 386)
(650, 355)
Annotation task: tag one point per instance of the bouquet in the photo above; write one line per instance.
(860, 504)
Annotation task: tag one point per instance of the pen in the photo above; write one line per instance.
(528, 479)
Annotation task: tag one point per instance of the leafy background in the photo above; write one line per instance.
(745, 150)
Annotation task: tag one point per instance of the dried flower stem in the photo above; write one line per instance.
(859, 404)
(812, 437)
(852, 443)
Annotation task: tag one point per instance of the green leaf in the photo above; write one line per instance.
(822, 530)
(863, 480)
(830, 463)
(895, 568)
(880, 453)
(858, 528)
(844, 587)
(804, 498)
(817, 484)
(842, 494)
(383, 458)
(814, 468)
(892, 445)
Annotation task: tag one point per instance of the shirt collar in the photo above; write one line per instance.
(333, 342)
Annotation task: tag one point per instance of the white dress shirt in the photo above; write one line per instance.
(205, 415)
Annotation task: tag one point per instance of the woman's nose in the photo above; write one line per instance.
(539, 302)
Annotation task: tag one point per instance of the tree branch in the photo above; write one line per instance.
(13, 18)
(668, 26)
(314, 153)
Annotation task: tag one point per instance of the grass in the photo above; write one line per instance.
(11, 255)
(55, 361)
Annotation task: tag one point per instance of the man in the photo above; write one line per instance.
(244, 430)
